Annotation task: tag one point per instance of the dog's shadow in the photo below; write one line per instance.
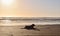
(31, 27)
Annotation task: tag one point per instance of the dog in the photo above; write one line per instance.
(30, 26)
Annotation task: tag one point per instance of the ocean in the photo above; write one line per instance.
(30, 20)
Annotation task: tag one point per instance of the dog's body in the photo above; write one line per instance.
(29, 27)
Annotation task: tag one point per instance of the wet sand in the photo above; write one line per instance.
(45, 30)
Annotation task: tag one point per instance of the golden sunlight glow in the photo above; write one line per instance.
(7, 2)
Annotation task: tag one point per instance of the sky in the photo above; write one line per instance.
(30, 8)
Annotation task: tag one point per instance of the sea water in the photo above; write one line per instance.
(28, 21)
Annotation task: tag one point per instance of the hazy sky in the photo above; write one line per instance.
(30, 8)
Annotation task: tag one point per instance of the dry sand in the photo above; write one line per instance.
(45, 30)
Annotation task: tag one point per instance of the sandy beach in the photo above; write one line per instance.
(45, 30)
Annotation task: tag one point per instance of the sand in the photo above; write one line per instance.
(45, 30)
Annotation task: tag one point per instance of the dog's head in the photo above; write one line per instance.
(33, 24)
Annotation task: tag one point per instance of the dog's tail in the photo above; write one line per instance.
(22, 28)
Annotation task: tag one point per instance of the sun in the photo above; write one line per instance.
(7, 2)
